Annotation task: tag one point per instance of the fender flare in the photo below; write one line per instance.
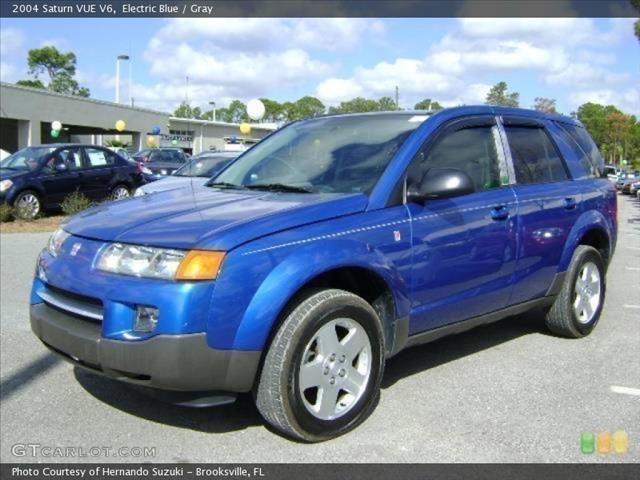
(297, 270)
(590, 220)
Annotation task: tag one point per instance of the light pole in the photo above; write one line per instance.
(120, 57)
(214, 110)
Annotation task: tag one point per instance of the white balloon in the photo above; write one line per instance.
(56, 125)
(255, 109)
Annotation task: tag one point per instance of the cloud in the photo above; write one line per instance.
(627, 100)
(244, 58)
(461, 66)
(11, 41)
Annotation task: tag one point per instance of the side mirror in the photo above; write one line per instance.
(61, 168)
(440, 183)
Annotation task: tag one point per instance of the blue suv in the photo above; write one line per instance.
(327, 248)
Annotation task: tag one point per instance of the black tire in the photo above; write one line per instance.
(278, 395)
(562, 318)
(24, 206)
(114, 192)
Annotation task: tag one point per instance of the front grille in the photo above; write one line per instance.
(79, 305)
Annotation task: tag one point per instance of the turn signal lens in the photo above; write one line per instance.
(200, 265)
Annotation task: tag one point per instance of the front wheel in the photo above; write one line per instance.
(27, 205)
(321, 375)
(577, 308)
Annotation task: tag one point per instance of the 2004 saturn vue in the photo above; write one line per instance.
(327, 248)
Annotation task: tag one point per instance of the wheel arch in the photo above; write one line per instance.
(591, 229)
(346, 265)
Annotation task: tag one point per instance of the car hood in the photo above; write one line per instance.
(170, 183)
(207, 218)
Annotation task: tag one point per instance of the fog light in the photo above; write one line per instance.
(146, 319)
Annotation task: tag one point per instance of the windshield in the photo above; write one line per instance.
(26, 159)
(203, 166)
(341, 154)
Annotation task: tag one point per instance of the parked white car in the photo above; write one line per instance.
(201, 167)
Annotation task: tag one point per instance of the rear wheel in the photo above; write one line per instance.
(577, 308)
(120, 192)
(321, 375)
(27, 205)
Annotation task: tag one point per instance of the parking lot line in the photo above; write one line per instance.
(633, 269)
(626, 390)
(631, 306)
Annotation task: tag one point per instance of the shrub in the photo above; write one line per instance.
(6, 213)
(74, 203)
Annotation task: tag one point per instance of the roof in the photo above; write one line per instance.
(469, 110)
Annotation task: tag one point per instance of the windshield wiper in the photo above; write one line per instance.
(226, 185)
(279, 187)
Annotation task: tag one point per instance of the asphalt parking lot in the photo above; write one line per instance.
(508, 392)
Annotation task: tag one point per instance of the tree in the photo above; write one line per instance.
(307, 107)
(31, 83)
(499, 96)
(387, 104)
(273, 111)
(59, 67)
(428, 104)
(543, 104)
(356, 105)
(236, 112)
(185, 110)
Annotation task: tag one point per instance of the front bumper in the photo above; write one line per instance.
(168, 362)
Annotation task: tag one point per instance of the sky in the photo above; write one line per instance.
(454, 61)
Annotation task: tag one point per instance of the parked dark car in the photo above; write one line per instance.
(161, 161)
(625, 185)
(39, 178)
(201, 168)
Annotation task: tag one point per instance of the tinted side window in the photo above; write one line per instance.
(98, 157)
(535, 159)
(70, 156)
(472, 150)
(592, 161)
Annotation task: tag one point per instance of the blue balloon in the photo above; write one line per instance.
(156, 130)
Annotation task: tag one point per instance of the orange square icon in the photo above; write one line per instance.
(620, 442)
(604, 442)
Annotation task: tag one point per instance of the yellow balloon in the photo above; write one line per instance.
(151, 140)
(120, 125)
(245, 128)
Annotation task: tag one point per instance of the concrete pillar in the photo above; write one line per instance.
(136, 141)
(29, 133)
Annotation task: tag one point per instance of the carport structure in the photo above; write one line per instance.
(26, 115)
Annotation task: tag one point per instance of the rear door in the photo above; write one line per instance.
(549, 203)
(463, 247)
(98, 172)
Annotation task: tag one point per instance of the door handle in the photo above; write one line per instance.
(570, 203)
(500, 212)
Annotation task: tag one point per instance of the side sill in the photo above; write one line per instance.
(459, 327)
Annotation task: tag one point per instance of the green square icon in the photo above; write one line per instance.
(587, 442)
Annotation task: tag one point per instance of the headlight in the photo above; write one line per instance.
(139, 192)
(161, 263)
(55, 242)
(5, 185)
(145, 170)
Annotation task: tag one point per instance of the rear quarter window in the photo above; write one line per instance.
(585, 148)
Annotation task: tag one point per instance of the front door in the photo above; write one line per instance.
(58, 183)
(464, 248)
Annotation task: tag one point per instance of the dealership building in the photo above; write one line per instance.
(26, 115)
